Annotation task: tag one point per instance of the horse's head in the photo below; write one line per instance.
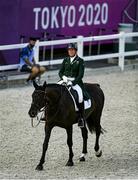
(38, 99)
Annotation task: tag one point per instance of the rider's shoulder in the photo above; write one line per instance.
(66, 59)
(79, 59)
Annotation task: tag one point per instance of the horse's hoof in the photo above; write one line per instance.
(82, 158)
(70, 163)
(98, 153)
(39, 167)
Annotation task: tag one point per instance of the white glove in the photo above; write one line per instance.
(71, 79)
(69, 83)
(65, 79)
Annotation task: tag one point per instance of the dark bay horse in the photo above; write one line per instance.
(60, 111)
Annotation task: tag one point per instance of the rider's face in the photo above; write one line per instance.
(72, 52)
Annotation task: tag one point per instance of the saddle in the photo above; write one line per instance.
(74, 96)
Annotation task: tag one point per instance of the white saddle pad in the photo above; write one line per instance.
(87, 104)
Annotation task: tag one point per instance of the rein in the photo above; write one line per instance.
(32, 123)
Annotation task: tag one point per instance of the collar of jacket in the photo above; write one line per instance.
(74, 60)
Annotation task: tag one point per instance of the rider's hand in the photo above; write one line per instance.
(65, 79)
(69, 83)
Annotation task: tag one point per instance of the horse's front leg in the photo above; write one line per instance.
(84, 132)
(45, 146)
(70, 144)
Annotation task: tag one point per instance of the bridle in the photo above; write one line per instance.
(44, 109)
(39, 110)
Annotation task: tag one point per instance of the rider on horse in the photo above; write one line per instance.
(71, 73)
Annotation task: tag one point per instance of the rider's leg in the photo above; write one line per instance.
(80, 105)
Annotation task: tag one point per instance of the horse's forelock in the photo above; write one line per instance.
(39, 89)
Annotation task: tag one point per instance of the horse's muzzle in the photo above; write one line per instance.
(32, 113)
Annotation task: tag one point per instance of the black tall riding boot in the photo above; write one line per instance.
(81, 115)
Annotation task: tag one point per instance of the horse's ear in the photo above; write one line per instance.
(35, 85)
(44, 85)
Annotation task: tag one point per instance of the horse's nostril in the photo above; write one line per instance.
(31, 113)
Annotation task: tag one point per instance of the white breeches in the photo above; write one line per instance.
(77, 88)
(79, 91)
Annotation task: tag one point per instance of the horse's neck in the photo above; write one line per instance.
(53, 93)
(57, 92)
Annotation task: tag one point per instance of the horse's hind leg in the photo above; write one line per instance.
(45, 146)
(98, 152)
(84, 132)
(70, 144)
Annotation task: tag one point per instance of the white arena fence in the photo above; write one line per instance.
(80, 40)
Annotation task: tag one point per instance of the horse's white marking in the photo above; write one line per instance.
(82, 155)
(97, 153)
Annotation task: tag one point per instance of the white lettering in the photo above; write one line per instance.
(104, 13)
(89, 14)
(81, 19)
(36, 11)
(97, 8)
(71, 16)
(54, 17)
(45, 18)
(63, 14)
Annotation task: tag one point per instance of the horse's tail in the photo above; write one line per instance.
(93, 121)
(92, 124)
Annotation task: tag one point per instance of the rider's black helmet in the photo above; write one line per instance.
(72, 46)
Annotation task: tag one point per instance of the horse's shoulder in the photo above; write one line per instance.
(92, 85)
(55, 86)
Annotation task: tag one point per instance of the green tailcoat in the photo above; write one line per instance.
(74, 69)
